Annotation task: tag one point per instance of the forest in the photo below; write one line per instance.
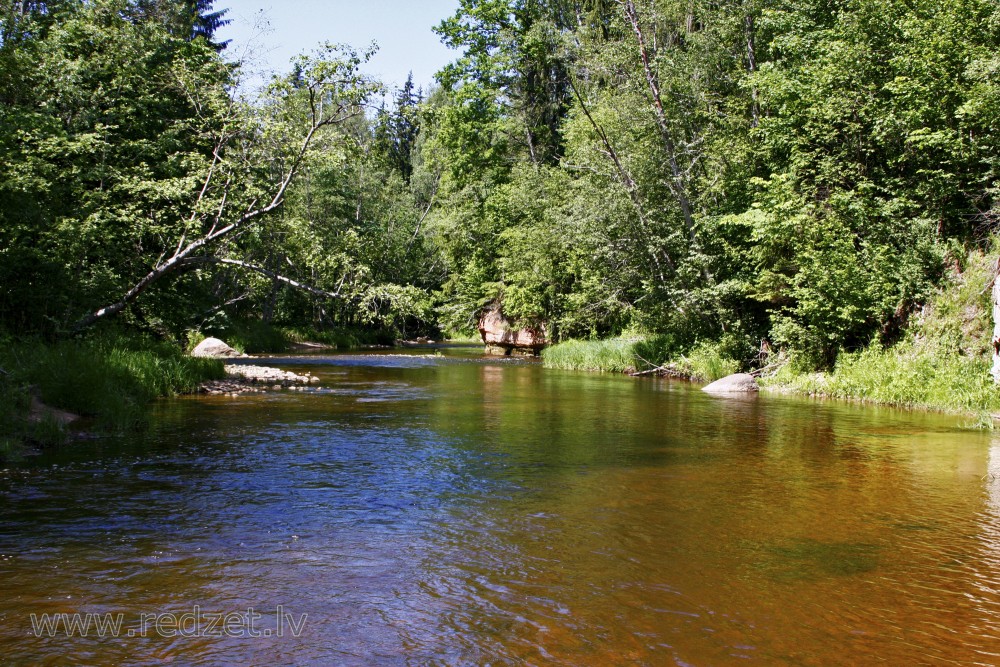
(763, 180)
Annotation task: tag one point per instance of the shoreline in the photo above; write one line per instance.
(901, 378)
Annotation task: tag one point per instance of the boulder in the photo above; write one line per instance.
(214, 349)
(740, 383)
(498, 335)
(40, 412)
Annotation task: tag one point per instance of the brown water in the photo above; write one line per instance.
(451, 511)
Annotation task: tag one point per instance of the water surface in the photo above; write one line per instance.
(450, 510)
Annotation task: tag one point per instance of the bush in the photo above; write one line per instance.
(943, 363)
(708, 362)
(656, 350)
(253, 336)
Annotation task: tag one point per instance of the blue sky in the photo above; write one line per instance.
(401, 28)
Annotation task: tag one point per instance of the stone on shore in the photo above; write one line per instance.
(39, 412)
(214, 348)
(740, 383)
(245, 379)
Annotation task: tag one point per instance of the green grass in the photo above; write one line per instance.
(705, 361)
(901, 376)
(943, 362)
(616, 355)
(110, 379)
(461, 337)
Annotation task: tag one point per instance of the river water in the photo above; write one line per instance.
(417, 509)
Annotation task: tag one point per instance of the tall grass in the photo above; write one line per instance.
(14, 400)
(902, 377)
(111, 379)
(616, 355)
(906, 375)
(705, 361)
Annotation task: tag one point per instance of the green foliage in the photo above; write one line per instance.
(612, 356)
(715, 175)
(902, 376)
(795, 173)
(943, 363)
(192, 338)
(703, 361)
(110, 378)
(104, 122)
(708, 362)
(340, 338)
(14, 429)
(654, 351)
(252, 336)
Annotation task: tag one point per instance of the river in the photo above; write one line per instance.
(417, 509)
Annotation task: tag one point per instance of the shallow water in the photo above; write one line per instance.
(450, 510)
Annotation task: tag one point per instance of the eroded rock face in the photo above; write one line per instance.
(215, 349)
(740, 383)
(497, 334)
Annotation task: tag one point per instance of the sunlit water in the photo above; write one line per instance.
(422, 510)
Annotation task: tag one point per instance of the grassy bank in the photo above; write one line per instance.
(110, 379)
(901, 376)
(941, 362)
(705, 361)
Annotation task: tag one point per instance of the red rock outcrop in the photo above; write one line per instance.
(497, 333)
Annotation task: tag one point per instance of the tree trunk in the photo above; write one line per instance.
(996, 329)
(677, 182)
(748, 23)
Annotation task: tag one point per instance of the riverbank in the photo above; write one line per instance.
(907, 375)
(941, 360)
(108, 380)
(257, 337)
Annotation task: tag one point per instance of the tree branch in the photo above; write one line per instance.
(194, 261)
(186, 252)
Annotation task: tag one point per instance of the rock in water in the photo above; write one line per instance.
(214, 349)
(500, 338)
(740, 383)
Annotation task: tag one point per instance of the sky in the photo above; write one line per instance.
(401, 28)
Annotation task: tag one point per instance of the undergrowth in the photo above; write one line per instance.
(110, 378)
(942, 363)
(259, 337)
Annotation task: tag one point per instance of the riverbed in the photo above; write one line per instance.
(417, 508)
